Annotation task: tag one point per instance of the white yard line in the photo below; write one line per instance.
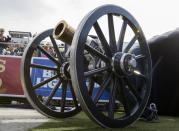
(14, 119)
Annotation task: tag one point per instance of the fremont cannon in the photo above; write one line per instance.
(96, 61)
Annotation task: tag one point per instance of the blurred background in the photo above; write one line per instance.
(155, 17)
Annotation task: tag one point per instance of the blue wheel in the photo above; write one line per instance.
(117, 72)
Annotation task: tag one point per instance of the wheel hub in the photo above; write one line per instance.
(123, 63)
(64, 70)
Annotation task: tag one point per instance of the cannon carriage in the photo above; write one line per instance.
(93, 63)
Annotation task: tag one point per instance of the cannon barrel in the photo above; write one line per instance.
(64, 32)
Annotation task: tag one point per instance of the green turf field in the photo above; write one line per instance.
(82, 122)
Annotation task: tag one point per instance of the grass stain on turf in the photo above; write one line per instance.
(83, 123)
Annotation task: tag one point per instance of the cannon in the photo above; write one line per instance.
(93, 62)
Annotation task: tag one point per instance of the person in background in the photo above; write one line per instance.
(12, 50)
(61, 48)
(52, 51)
(46, 46)
(2, 37)
(4, 51)
(19, 49)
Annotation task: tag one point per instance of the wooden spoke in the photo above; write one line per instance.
(45, 82)
(60, 58)
(91, 86)
(137, 73)
(140, 57)
(102, 87)
(54, 90)
(133, 90)
(43, 67)
(121, 36)
(123, 93)
(48, 55)
(102, 39)
(95, 71)
(130, 44)
(112, 38)
(112, 98)
(97, 53)
(63, 100)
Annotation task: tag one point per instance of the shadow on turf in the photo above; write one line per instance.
(83, 123)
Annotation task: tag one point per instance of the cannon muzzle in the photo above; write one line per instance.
(64, 32)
